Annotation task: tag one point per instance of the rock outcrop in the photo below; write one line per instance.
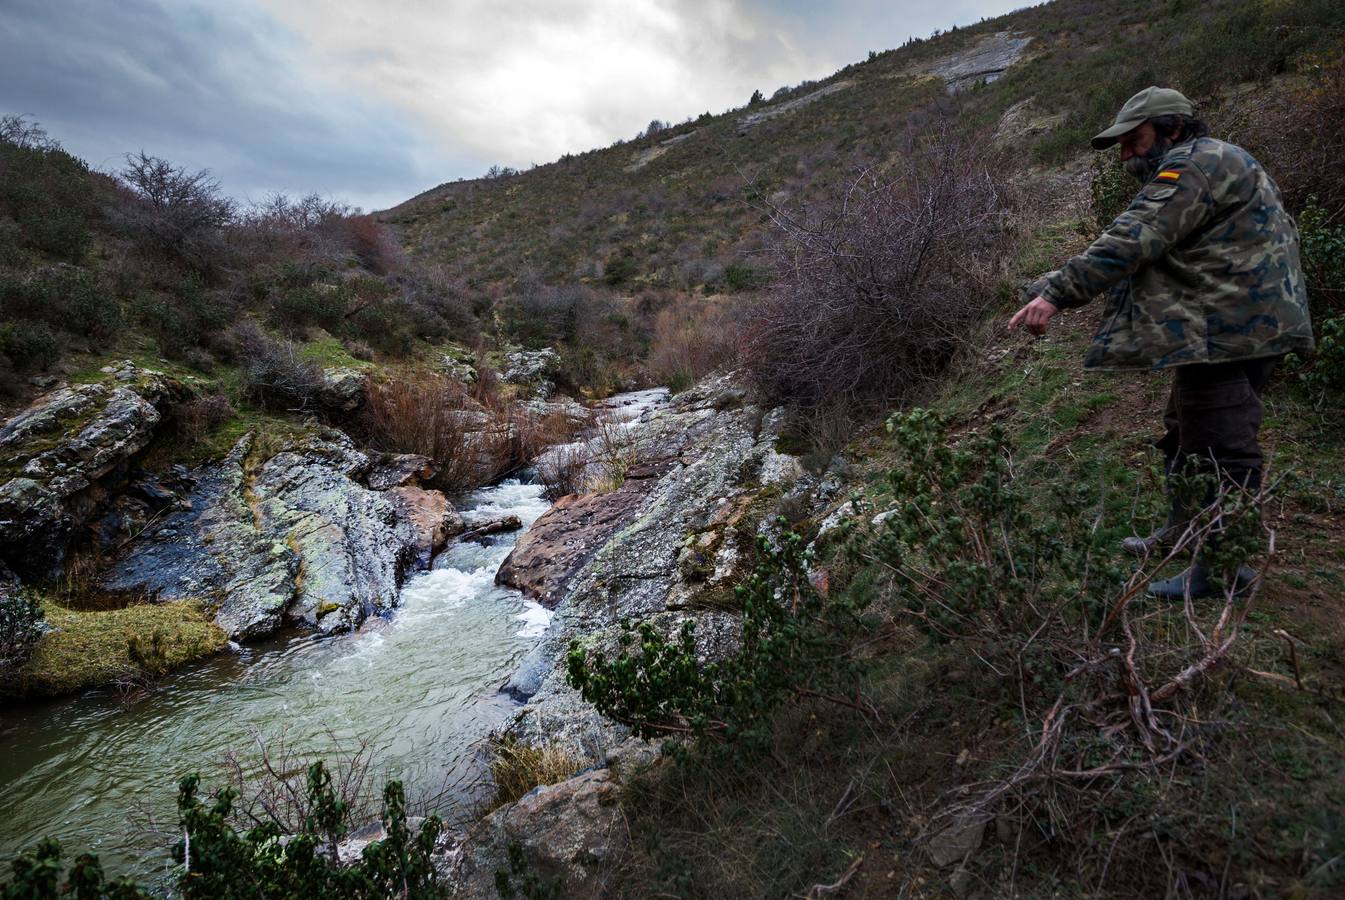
(288, 536)
(982, 63)
(753, 119)
(568, 833)
(567, 535)
(533, 369)
(651, 551)
(56, 455)
(666, 546)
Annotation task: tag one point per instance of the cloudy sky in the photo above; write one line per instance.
(373, 101)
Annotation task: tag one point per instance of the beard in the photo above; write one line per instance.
(1142, 168)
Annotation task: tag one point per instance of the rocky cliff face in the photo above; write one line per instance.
(292, 536)
(57, 455)
(309, 531)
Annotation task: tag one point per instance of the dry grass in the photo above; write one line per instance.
(517, 768)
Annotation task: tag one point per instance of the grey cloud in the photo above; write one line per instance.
(220, 90)
(374, 100)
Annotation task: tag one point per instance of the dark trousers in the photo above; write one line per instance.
(1212, 418)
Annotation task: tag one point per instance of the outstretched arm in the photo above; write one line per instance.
(1164, 212)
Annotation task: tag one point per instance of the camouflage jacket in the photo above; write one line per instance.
(1202, 268)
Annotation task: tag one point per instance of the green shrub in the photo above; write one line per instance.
(37, 876)
(64, 298)
(620, 268)
(183, 319)
(384, 327)
(29, 346)
(315, 305)
(69, 298)
(1110, 189)
(1323, 250)
(48, 193)
(741, 277)
(1327, 369)
(220, 864)
(794, 643)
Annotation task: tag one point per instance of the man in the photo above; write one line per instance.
(1203, 278)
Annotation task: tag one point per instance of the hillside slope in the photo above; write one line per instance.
(678, 208)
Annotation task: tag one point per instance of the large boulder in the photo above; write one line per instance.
(535, 369)
(565, 837)
(343, 389)
(56, 455)
(431, 518)
(550, 552)
(270, 537)
(390, 470)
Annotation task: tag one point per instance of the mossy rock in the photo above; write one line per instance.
(91, 649)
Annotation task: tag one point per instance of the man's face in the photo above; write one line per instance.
(1142, 149)
(1138, 141)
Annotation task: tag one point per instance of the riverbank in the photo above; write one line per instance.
(416, 691)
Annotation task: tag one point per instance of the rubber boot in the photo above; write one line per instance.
(1198, 582)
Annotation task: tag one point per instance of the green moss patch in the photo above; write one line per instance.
(93, 649)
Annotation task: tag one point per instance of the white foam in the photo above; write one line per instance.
(534, 619)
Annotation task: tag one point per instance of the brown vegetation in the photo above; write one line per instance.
(875, 289)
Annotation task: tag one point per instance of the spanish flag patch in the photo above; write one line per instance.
(1168, 175)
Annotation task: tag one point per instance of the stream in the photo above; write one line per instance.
(419, 689)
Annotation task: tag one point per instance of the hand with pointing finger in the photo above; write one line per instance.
(1034, 316)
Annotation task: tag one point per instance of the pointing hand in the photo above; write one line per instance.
(1034, 316)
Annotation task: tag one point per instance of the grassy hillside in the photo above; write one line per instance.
(679, 209)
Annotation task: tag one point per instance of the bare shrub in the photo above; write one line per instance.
(25, 134)
(615, 448)
(173, 211)
(428, 416)
(874, 290)
(275, 376)
(302, 233)
(1299, 134)
(690, 340)
(197, 417)
(564, 471)
(372, 244)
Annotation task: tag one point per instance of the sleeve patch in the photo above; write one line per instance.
(1169, 175)
(1158, 191)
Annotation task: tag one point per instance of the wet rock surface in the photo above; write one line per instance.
(56, 454)
(288, 537)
